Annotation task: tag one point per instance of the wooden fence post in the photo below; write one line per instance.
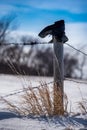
(57, 30)
(58, 77)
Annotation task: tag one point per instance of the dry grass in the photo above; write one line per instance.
(58, 100)
(66, 104)
(39, 101)
(83, 106)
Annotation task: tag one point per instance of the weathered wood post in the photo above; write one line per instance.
(58, 77)
(57, 30)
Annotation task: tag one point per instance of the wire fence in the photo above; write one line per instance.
(52, 82)
(26, 89)
(35, 43)
(44, 84)
(76, 49)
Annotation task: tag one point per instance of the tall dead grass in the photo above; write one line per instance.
(83, 106)
(58, 100)
(38, 101)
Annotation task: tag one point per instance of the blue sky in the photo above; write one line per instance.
(34, 15)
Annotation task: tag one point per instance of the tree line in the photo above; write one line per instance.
(32, 60)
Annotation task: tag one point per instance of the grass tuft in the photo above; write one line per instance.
(83, 106)
(38, 101)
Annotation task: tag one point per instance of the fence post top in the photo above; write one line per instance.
(57, 29)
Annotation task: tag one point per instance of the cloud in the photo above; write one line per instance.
(16, 35)
(5, 9)
(74, 6)
(77, 33)
(71, 6)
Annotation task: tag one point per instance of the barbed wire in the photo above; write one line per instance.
(34, 43)
(27, 43)
(26, 89)
(75, 80)
(43, 84)
(76, 49)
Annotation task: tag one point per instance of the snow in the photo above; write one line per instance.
(10, 121)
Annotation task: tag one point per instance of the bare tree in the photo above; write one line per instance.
(81, 61)
(12, 53)
(5, 27)
(42, 61)
(81, 66)
(70, 65)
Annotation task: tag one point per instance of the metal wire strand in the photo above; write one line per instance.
(76, 49)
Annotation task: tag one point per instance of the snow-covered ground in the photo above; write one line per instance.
(10, 121)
